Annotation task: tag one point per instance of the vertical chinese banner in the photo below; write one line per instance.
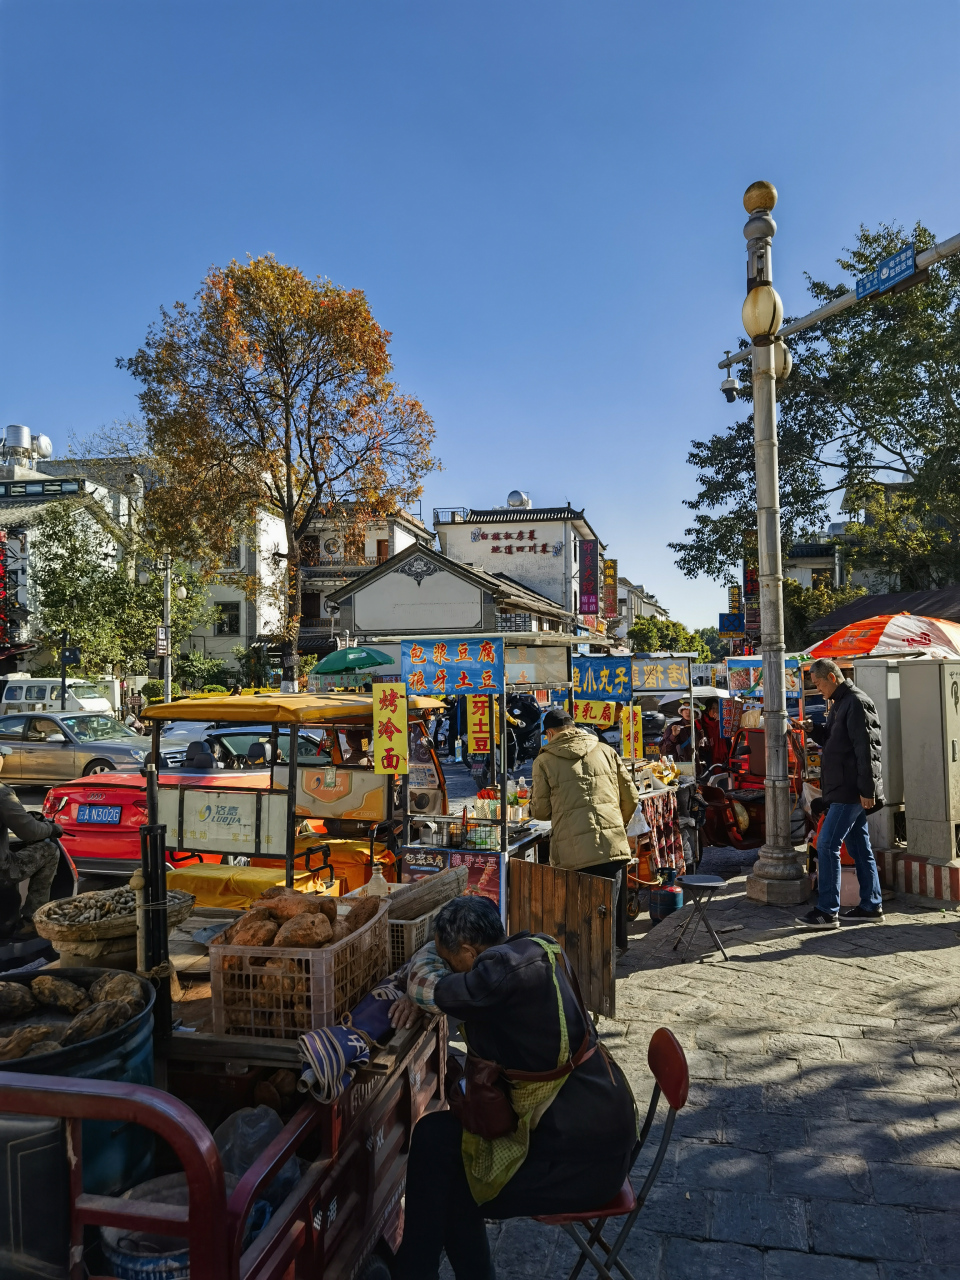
(390, 728)
(610, 596)
(478, 724)
(637, 753)
(589, 577)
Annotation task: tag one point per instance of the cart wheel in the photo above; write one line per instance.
(375, 1269)
(633, 906)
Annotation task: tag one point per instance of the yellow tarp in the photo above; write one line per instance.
(350, 859)
(236, 887)
(289, 708)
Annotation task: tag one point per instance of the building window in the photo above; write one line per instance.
(514, 622)
(228, 622)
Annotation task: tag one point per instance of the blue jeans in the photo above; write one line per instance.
(846, 823)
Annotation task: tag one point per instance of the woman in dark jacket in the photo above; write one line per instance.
(571, 1152)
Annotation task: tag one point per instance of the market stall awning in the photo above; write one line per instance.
(892, 635)
(291, 708)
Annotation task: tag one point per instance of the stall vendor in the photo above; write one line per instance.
(576, 1133)
(676, 740)
(718, 750)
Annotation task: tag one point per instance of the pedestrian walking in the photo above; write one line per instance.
(581, 786)
(851, 787)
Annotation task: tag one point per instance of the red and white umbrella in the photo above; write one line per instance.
(892, 634)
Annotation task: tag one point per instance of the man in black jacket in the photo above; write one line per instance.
(851, 787)
(36, 859)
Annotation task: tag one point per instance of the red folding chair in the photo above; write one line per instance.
(669, 1066)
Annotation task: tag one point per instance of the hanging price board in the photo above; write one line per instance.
(390, 728)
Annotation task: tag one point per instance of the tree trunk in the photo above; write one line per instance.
(291, 630)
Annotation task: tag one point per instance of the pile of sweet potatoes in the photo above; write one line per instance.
(285, 918)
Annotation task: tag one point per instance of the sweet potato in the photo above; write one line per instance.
(258, 932)
(304, 931)
(15, 1000)
(96, 1021)
(118, 986)
(340, 931)
(59, 993)
(363, 912)
(259, 911)
(284, 909)
(329, 908)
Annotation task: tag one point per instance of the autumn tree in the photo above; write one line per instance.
(274, 393)
(873, 402)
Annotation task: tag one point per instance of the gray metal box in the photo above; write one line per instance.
(930, 735)
(879, 678)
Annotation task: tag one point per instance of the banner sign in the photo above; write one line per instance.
(440, 667)
(745, 678)
(610, 575)
(637, 753)
(390, 743)
(652, 674)
(478, 724)
(589, 576)
(599, 713)
(602, 677)
(731, 626)
(751, 599)
(734, 600)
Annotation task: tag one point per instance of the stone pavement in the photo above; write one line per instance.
(821, 1139)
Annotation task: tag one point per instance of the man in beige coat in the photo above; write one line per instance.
(582, 787)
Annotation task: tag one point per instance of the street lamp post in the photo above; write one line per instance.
(167, 659)
(777, 876)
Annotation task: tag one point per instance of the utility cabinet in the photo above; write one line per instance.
(879, 678)
(930, 736)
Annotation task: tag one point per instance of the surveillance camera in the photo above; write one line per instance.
(730, 386)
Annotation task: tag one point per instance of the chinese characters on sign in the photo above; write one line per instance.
(751, 600)
(888, 273)
(442, 667)
(390, 728)
(589, 577)
(478, 724)
(483, 875)
(745, 678)
(601, 678)
(734, 600)
(513, 542)
(598, 713)
(652, 674)
(610, 608)
(163, 642)
(637, 753)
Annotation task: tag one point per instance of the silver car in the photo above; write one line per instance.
(57, 748)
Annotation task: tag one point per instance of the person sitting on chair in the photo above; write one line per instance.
(574, 1135)
(36, 860)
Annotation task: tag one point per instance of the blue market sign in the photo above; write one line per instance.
(888, 273)
(732, 625)
(458, 666)
(601, 679)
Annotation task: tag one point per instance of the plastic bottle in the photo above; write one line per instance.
(522, 793)
(377, 886)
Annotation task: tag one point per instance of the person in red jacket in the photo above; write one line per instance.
(719, 746)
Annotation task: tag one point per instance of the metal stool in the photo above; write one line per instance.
(701, 889)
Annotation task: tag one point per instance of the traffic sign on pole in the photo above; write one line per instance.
(888, 273)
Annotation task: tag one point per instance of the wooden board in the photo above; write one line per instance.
(577, 910)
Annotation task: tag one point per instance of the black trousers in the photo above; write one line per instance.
(617, 872)
(441, 1213)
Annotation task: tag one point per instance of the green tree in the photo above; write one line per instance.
(804, 605)
(197, 670)
(711, 638)
(274, 392)
(653, 635)
(873, 399)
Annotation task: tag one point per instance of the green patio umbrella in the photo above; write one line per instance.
(351, 660)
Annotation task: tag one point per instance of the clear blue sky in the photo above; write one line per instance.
(541, 200)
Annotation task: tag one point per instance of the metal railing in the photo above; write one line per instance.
(450, 515)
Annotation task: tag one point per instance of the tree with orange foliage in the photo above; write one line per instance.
(274, 392)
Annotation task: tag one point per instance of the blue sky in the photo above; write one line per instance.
(541, 201)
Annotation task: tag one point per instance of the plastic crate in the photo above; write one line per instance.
(408, 936)
(277, 993)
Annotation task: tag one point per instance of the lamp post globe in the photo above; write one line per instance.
(762, 313)
(181, 592)
(143, 577)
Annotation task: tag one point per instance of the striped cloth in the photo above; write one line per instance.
(332, 1055)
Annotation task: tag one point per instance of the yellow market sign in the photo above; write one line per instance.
(390, 728)
(653, 674)
(603, 714)
(637, 753)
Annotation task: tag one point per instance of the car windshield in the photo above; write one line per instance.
(96, 728)
(86, 691)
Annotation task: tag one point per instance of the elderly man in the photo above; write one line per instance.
(36, 859)
(575, 1133)
(581, 786)
(851, 787)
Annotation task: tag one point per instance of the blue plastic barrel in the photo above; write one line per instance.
(115, 1154)
(667, 899)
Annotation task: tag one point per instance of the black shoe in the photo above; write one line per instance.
(874, 915)
(25, 932)
(818, 919)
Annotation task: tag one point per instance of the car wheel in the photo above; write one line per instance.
(97, 766)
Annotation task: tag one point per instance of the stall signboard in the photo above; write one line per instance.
(731, 626)
(418, 863)
(536, 664)
(731, 709)
(745, 678)
(599, 713)
(589, 576)
(656, 674)
(610, 609)
(478, 724)
(751, 599)
(441, 667)
(390, 741)
(637, 753)
(484, 875)
(734, 600)
(604, 678)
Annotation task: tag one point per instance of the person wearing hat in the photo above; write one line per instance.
(676, 740)
(36, 860)
(580, 785)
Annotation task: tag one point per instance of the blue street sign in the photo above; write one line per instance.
(731, 625)
(888, 273)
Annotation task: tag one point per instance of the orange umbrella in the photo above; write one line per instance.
(890, 634)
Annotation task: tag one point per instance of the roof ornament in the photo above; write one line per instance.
(418, 568)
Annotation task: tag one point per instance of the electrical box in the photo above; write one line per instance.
(879, 678)
(930, 737)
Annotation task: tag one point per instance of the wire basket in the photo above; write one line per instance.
(457, 832)
(278, 993)
(408, 936)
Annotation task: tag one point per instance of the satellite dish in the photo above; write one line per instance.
(43, 446)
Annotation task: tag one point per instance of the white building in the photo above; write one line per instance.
(635, 602)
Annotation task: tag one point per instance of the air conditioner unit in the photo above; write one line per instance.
(930, 733)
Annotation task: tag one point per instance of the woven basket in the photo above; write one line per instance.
(179, 907)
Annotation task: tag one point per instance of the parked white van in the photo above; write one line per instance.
(24, 692)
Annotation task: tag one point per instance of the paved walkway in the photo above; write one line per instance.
(821, 1139)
